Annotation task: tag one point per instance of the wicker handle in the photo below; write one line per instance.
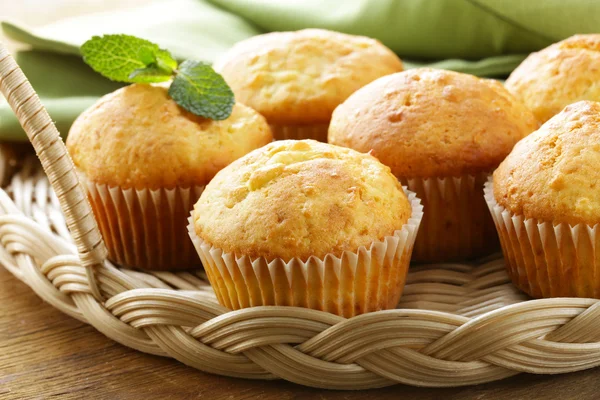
(56, 162)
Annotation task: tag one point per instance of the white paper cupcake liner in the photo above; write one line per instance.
(369, 279)
(145, 228)
(456, 224)
(545, 258)
(299, 132)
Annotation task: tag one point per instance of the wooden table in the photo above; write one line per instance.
(46, 354)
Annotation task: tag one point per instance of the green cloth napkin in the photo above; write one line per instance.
(482, 37)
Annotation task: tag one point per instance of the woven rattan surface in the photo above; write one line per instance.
(56, 162)
(456, 324)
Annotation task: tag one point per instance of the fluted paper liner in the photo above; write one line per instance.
(299, 132)
(369, 279)
(145, 228)
(547, 258)
(456, 225)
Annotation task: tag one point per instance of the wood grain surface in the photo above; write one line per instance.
(46, 354)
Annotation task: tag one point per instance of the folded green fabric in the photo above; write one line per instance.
(481, 37)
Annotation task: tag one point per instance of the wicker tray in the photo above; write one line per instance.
(456, 324)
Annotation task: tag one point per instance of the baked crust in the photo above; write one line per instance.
(561, 74)
(432, 123)
(554, 173)
(300, 199)
(139, 137)
(298, 78)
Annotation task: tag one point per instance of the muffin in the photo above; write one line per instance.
(545, 200)
(144, 161)
(558, 75)
(306, 224)
(296, 79)
(441, 133)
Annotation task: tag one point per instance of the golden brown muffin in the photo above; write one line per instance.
(553, 174)
(306, 203)
(546, 203)
(301, 199)
(139, 137)
(561, 74)
(440, 132)
(296, 79)
(145, 161)
(432, 123)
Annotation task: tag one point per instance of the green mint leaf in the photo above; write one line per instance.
(150, 74)
(202, 91)
(146, 55)
(125, 58)
(165, 62)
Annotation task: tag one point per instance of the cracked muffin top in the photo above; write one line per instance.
(561, 74)
(138, 137)
(298, 78)
(554, 173)
(296, 199)
(425, 123)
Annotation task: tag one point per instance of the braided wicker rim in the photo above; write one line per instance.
(457, 324)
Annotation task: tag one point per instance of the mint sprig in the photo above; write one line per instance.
(199, 89)
(196, 86)
(123, 58)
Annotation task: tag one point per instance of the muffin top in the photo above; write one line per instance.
(139, 137)
(432, 123)
(299, 199)
(298, 78)
(554, 173)
(558, 75)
